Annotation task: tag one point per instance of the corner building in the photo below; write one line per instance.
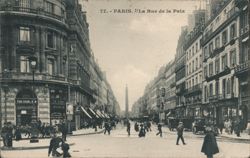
(33, 28)
(55, 33)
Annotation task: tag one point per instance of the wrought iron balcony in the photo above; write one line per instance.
(194, 89)
(36, 11)
(19, 76)
(242, 68)
(226, 71)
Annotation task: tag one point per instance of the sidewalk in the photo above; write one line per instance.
(43, 143)
(243, 136)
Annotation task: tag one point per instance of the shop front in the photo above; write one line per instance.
(58, 99)
(26, 107)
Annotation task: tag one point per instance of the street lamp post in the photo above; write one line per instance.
(34, 134)
(33, 63)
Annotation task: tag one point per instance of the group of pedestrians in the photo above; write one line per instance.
(231, 126)
(142, 128)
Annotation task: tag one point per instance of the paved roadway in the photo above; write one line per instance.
(118, 144)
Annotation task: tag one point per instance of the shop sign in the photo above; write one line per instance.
(26, 101)
(56, 115)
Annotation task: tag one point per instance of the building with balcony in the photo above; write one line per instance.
(170, 89)
(243, 68)
(193, 92)
(180, 72)
(33, 28)
(53, 35)
(220, 44)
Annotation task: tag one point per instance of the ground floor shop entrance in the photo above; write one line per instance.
(26, 107)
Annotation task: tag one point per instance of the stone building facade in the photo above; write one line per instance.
(55, 34)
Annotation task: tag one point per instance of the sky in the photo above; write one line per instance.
(131, 46)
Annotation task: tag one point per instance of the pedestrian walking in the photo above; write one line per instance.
(107, 127)
(65, 149)
(17, 134)
(4, 134)
(142, 132)
(221, 126)
(136, 127)
(128, 128)
(159, 130)
(149, 126)
(209, 146)
(64, 131)
(180, 129)
(54, 145)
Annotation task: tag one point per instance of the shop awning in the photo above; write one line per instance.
(100, 114)
(169, 113)
(86, 112)
(92, 111)
(106, 116)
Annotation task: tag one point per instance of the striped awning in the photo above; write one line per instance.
(100, 114)
(86, 112)
(92, 111)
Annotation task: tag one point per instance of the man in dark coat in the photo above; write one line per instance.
(180, 129)
(159, 130)
(64, 131)
(54, 144)
(18, 135)
(4, 134)
(136, 127)
(209, 146)
(142, 132)
(65, 149)
(107, 127)
(128, 128)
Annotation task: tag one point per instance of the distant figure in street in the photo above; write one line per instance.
(142, 132)
(107, 127)
(54, 145)
(180, 129)
(128, 128)
(18, 135)
(221, 126)
(64, 131)
(136, 127)
(4, 134)
(159, 130)
(209, 146)
(149, 126)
